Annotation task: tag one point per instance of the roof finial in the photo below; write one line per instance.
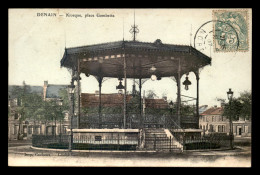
(65, 37)
(134, 17)
(123, 29)
(190, 33)
(210, 51)
(134, 30)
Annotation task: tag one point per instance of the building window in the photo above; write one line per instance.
(16, 116)
(30, 128)
(50, 130)
(219, 128)
(65, 129)
(203, 117)
(37, 130)
(14, 129)
(212, 118)
(223, 128)
(15, 102)
(211, 128)
(246, 129)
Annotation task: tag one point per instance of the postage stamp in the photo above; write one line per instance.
(231, 30)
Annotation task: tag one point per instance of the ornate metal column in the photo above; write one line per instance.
(140, 100)
(71, 88)
(125, 84)
(179, 93)
(78, 83)
(99, 106)
(197, 99)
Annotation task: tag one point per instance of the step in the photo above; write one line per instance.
(155, 135)
(154, 131)
(158, 138)
(162, 147)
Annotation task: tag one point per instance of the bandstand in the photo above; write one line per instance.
(136, 60)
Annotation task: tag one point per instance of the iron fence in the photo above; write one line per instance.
(134, 121)
(51, 141)
(85, 142)
(164, 144)
(212, 141)
(160, 142)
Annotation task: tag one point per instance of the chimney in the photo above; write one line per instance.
(165, 98)
(45, 89)
(45, 83)
(96, 93)
(215, 106)
(222, 104)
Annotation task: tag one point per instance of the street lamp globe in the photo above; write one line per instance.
(120, 86)
(186, 83)
(153, 77)
(71, 88)
(171, 104)
(230, 94)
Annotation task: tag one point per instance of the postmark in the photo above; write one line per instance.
(207, 35)
(233, 22)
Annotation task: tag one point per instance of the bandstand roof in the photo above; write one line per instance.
(107, 59)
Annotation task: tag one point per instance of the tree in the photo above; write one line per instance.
(21, 93)
(246, 100)
(187, 109)
(133, 106)
(239, 107)
(64, 95)
(151, 94)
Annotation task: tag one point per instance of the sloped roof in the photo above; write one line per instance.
(213, 111)
(115, 100)
(53, 90)
(32, 89)
(100, 59)
(203, 108)
(107, 100)
(156, 103)
(128, 44)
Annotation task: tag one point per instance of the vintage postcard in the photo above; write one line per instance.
(129, 87)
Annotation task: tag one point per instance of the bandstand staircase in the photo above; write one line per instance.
(158, 140)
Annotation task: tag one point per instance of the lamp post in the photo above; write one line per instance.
(71, 89)
(121, 87)
(60, 104)
(230, 96)
(171, 106)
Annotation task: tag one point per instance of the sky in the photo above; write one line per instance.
(36, 46)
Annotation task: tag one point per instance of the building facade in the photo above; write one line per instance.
(24, 129)
(212, 121)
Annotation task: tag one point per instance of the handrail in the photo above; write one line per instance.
(175, 124)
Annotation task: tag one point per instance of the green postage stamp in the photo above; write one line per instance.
(230, 30)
